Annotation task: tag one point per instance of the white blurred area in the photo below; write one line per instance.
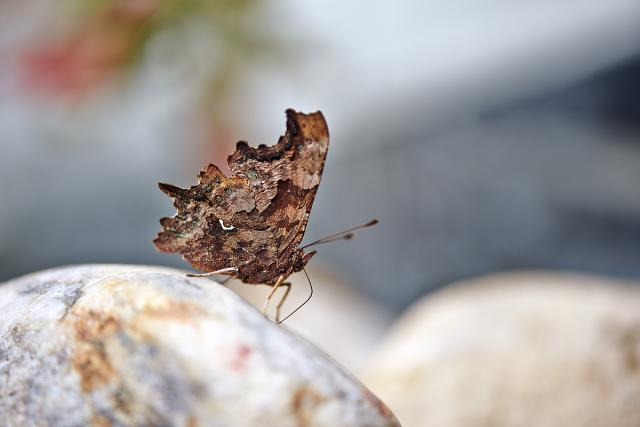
(79, 176)
(422, 60)
(433, 60)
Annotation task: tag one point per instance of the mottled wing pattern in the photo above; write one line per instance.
(255, 219)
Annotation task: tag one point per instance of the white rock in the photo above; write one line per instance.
(124, 346)
(516, 350)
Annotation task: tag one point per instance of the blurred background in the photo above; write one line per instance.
(485, 137)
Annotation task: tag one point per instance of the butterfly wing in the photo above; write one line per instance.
(255, 219)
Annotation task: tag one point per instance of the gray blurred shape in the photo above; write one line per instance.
(546, 182)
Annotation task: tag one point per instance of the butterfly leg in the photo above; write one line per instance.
(213, 273)
(282, 300)
(271, 292)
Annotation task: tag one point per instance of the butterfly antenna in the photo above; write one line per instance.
(343, 235)
(305, 301)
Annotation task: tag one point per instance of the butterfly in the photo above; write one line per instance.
(249, 226)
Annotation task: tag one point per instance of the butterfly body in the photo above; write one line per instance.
(254, 220)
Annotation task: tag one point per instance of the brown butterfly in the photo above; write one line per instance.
(249, 226)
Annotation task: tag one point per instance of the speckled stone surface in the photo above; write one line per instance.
(114, 345)
(516, 350)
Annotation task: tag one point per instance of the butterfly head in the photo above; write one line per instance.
(300, 258)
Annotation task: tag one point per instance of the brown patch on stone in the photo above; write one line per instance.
(90, 359)
(379, 404)
(625, 339)
(191, 422)
(100, 421)
(177, 310)
(629, 343)
(122, 401)
(112, 283)
(303, 401)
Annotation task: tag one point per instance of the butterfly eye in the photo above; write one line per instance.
(218, 199)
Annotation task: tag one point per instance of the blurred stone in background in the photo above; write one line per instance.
(522, 349)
